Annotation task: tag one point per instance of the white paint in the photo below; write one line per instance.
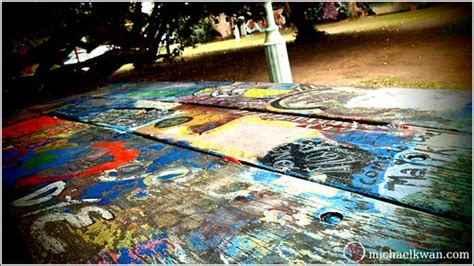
(179, 251)
(297, 186)
(302, 218)
(224, 259)
(68, 202)
(155, 180)
(79, 220)
(32, 199)
(156, 104)
(107, 178)
(413, 185)
(275, 216)
(427, 100)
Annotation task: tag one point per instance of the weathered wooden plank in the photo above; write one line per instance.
(427, 169)
(423, 168)
(90, 195)
(153, 90)
(443, 109)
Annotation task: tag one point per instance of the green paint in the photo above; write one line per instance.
(38, 160)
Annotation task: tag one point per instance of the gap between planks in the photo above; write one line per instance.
(222, 156)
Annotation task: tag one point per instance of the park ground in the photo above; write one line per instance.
(425, 48)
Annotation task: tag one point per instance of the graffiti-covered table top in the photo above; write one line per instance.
(436, 108)
(221, 172)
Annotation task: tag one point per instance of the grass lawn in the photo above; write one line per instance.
(426, 48)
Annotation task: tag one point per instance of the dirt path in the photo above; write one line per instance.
(429, 53)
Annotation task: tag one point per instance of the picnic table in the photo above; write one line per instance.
(241, 172)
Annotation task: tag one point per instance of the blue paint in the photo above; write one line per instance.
(140, 195)
(197, 240)
(10, 155)
(173, 154)
(84, 108)
(201, 242)
(238, 224)
(108, 157)
(61, 157)
(265, 177)
(151, 249)
(125, 257)
(170, 176)
(285, 251)
(465, 111)
(372, 140)
(379, 144)
(255, 221)
(333, 220)
(109, 191)
(214, 165)
(283, 86)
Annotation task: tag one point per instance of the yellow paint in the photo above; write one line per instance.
(192, 222)
(109, 234)
(260, 93)
(205, 92)
(152, 180)
(249, 137)
(199, 116)
(127, 240)
(100, 233)
(244, 138)
(166, 220)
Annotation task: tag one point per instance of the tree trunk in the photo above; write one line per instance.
(306, 33)
(353, 10)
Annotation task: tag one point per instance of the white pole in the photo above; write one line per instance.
(236, 33)
(275, 50)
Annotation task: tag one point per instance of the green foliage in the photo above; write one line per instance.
(203, 31)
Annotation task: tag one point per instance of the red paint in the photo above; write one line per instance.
(405, 126)
(232, 159)
(116, 150)
(30, 126)
(113, 148)
(303, 125)
(34, 180)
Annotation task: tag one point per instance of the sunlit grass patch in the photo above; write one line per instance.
(398, 82)
(256, 39)
(345, 26)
